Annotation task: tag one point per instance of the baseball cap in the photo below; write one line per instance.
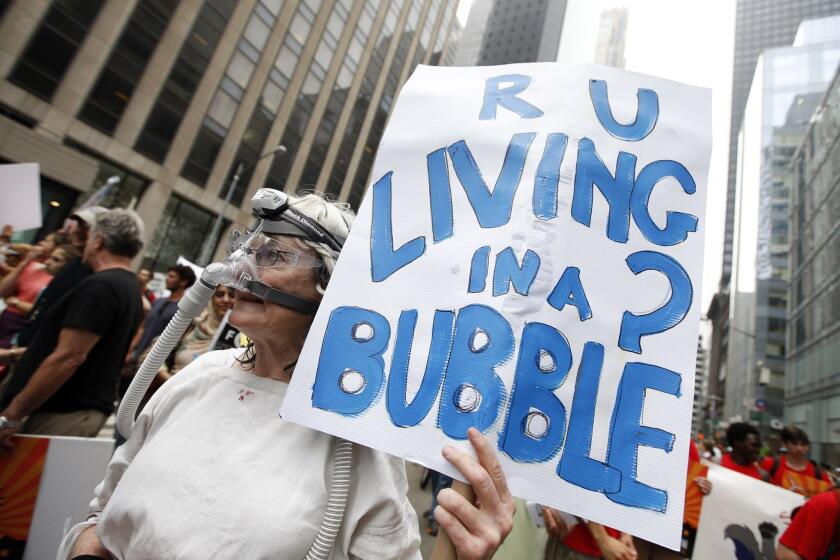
(88, 215)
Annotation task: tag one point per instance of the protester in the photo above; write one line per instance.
(178, 279)
(585, 540)
(76, 227)
(21, 287)
(144, 276)
(211, 471)
(814, 531)
(745, 442)
(795, 459)
(711, 452)
(65, 383)
(196, 340)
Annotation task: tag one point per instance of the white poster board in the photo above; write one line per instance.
(20, 196)
(526, 264)
(73, 468)
(742, 514)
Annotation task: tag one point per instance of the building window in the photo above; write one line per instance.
(182, 232)
(53, 46)
(125, 66)
(183, 79)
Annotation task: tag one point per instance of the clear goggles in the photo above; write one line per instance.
(268, 252)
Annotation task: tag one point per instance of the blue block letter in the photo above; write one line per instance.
(492, 209)
(402, 413)
(508, 271)
(591, 172)
(677, 224)
(627, 433)
(544, 361)
(576, 466)
(548, 177)
(384, 261)
(478, 269)
(669, 315)
(350, 368)
(646, 114)
(472, 392)
(494, 95)
(569, 290)
(440, 195)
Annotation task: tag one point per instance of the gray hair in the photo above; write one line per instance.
(121, 231)
(335, 217)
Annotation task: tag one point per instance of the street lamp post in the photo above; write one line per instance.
(210, 243)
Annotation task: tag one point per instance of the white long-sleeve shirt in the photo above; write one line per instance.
(212, 471)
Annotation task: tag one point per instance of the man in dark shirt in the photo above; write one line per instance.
(66, 382)
(77, 227)
(178, 279)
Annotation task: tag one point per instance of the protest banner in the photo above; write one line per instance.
(21, 183)
(46, 485)
(742, 517)
(527, 261)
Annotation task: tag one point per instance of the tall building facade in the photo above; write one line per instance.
(787, 87)
(508, 31)
(172, 97)
(612, 36)
(812, 379)
(759, 25)
(701, 368)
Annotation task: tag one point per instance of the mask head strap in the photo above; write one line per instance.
(267, 293)
(272, 207)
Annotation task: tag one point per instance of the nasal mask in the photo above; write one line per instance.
(253, 252)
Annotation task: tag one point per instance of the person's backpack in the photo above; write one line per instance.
(777, 462)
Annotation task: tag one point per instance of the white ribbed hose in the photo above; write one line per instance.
(336, 502)
(195, 300)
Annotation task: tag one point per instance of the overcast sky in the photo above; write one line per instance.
(682, 40)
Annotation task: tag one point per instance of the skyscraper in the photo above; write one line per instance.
(788, 85)
(172, 97)
(508, 31)
(759, 25)
(812, 375)
(612, 34)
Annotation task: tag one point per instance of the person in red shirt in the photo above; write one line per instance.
(814, 533)
(795, 460)
(745, 442)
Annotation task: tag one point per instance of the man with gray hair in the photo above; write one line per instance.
(66, 382)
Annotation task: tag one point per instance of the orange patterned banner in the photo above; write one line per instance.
(20, 477)
(693, 496)
(803, 484)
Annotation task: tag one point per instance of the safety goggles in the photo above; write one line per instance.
(268, 252)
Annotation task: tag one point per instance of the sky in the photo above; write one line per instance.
(689, 41)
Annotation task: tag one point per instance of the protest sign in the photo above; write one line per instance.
(45, 487)
(742, 516)
(527, 261)
(20, 189)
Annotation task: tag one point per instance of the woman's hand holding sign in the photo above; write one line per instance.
(477, 529)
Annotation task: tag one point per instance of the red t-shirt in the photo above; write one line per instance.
(581, 540)
(767, 465)
(693, 454)
(812, 529)
(749, 470)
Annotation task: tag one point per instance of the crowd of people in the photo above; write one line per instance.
(78, 320)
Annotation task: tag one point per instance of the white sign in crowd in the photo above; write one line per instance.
(527, 261)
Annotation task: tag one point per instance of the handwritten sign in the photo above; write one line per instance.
(527, 261)
(742, 517)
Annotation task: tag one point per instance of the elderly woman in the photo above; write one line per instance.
(212, 471)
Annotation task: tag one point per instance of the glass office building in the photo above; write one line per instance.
(812, 379)
(172, 97)
(787, 87)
